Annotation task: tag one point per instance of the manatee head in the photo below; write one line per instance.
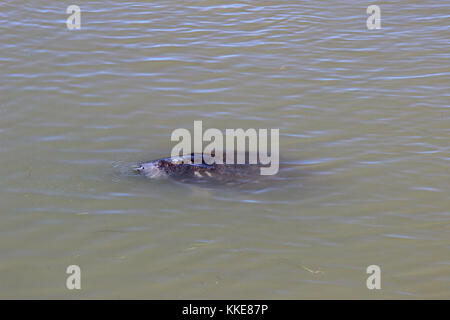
(150, 169)
(171, 166)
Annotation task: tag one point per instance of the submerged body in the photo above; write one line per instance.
(183, 168)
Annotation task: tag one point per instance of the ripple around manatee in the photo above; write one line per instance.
(289, 179)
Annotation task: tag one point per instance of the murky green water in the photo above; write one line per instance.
(363, 117)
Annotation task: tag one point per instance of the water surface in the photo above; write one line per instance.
(363, 118)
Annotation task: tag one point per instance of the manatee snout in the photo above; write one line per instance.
(150, 169)
(138, 168)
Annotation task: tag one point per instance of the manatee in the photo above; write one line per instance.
(183, 168)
